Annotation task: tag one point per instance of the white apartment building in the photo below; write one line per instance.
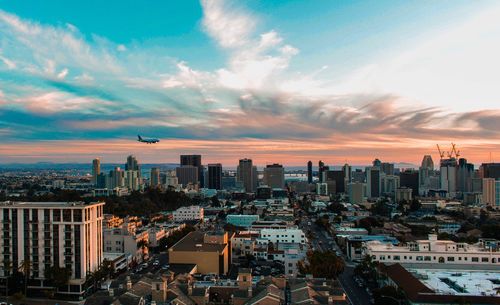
(284, 235)
(194, 212)
(64, 234)
(122, 240)
(434, 251)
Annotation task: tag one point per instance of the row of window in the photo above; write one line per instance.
(434, 258)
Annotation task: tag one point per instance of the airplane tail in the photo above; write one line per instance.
(139, 137)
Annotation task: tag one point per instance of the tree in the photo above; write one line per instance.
(415, 205)
(323, 264)
(367, 269)
(57, 275)
(25, 269)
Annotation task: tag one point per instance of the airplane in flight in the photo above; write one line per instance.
(147, 140)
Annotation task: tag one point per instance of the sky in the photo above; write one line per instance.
(275, 81)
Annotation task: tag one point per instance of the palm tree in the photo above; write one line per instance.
(25, 268)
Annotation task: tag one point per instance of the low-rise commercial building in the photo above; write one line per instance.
(434, 251)
(211, 252)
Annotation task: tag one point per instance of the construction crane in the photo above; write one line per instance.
(441, 153)
(454, 150)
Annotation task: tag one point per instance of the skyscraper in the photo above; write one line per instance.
(309, 172)
(490, 170)
(409, 178)
(448, 176)
(321, 166)
(132, 164)
(194, 160)
(337, 178)
(464, 176)
(154, 180)
(116, 178)
(387, 168)
(96, 170)
(187, 174)
(427, 162)
(215, 176)
(274, 176)
(373, 183)
(246, 174)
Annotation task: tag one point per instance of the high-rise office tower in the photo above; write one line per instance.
(274, 176)
(132, 180)
(154, 180)
(410, 179)
(490, 170)
(215, 176)
(116, 178)
(389, 184)
(373, 183)
(387, 168)
(448, 176)
(426, 175)
(427, 162)
(489, 191)
(96, 170)
(321, 167)
(347, 175)
(309, 172)
(47, 234)
(132, 174)
(335, 180)
(377, 163)
(132, 164)
(194, 160)
(187, 174)
(464, 176)
(246, 174)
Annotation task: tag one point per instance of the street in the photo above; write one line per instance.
(323, 241)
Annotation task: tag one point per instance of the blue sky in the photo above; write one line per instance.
(386, 73)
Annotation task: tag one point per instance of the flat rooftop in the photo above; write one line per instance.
(194, 242)
(459, 282)
(46, 204)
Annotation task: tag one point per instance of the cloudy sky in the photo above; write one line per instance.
(276, 81)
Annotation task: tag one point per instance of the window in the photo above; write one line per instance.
(427, 258)
(484, 259)
(56, 215)
(420, 258)
(396, 257)
(475, 259)
(450, 259)
(67, 215)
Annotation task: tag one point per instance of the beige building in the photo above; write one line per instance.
(489, 191)
(64, 234)
(211, 252)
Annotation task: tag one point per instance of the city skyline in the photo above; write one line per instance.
(288, 83)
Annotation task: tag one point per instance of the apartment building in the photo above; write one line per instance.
(291, 235)
(121, 240)
(46, 234)
(190, 213)
(434, 251)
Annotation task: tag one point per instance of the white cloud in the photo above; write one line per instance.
(456, 67)
(121, 48)
(229, 27)
(63, 73)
